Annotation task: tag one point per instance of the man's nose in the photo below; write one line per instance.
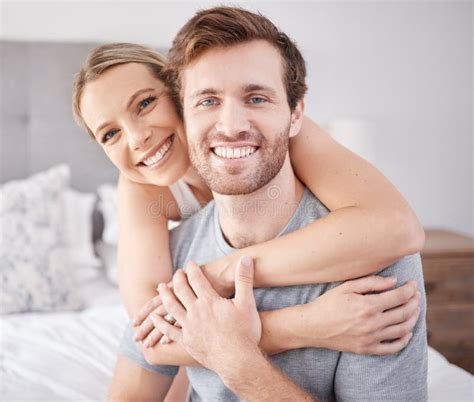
(233, 119)
(137, 136)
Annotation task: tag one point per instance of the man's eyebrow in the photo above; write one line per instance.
(129, 103)
(259, 87)
(205, 91)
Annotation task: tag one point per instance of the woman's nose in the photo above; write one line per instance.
(138, 137)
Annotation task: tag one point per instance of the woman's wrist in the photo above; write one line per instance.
(220, 274)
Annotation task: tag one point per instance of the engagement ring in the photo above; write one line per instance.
(168, 317)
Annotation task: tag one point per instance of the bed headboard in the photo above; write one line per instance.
(37, 129)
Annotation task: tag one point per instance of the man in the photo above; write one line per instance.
(241, 103)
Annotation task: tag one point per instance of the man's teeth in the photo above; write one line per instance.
(234, 153)
(159, 154)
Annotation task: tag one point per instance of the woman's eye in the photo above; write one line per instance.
(208, 102)
(145, 102)
(108, 136)
(257, 99)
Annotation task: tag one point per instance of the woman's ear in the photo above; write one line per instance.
(297, 118)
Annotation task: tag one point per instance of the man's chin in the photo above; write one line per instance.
(235, 186)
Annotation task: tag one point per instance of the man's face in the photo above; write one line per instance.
(237, 116)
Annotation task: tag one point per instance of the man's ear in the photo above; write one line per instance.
(297, 118)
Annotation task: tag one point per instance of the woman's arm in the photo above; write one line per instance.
(370, 225)
(347, 318)
(143, 251)
(143, 247)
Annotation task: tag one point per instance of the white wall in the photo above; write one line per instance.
(405, 68)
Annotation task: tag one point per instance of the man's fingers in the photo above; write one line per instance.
(396, 297)
(401, 313)
(172, 332)
(198, 281)
(244, 275)
(147, 308)
(370, 284)
(171, 303)
(182, 289)
(389, 348)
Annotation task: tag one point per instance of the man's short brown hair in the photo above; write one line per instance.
(227, 26)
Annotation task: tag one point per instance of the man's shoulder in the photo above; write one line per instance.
(196, 226)
(309, 209)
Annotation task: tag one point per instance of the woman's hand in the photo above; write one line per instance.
(142, 324)
(352, 318)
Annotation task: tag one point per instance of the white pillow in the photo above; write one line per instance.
(34, 269)
(108, 208)
(78, 212)
(108, 254)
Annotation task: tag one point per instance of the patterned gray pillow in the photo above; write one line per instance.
(34, 269)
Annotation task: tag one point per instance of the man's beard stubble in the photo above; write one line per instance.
(272, 157)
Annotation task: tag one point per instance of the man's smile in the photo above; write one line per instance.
(234, 152)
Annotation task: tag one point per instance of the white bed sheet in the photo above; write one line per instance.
(70, 356)
(67, 356)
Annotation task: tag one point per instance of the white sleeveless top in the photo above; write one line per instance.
(187, 202)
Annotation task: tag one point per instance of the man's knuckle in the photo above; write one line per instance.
(369, 310)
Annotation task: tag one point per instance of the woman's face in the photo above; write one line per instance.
(133, 117)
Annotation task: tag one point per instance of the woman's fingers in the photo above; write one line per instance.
(396, 297)
(153, 337)
(369, 284)
(389, 348)
(171, 303)
(145, 311)
(401, 313)
(142, 331)
(399, 330)
(171, 331)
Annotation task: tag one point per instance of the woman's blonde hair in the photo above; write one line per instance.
(107, 56)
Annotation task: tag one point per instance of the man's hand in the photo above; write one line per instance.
(364, 316)
(219, 273)
(214, 330)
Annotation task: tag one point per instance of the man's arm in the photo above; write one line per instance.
(253, 378)
(347, 318)
(402, 376)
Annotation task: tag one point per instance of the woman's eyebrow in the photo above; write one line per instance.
(136, 94)
(129, 103)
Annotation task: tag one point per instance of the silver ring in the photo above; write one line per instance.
(168, 317)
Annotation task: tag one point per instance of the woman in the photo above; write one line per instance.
(120, 97)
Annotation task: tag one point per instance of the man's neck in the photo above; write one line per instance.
(260, 216)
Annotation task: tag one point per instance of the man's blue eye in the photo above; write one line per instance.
(257, 99)
(108, 136)
(145, 102)
(208, 102)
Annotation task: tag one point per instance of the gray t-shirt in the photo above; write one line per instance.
(326, 374)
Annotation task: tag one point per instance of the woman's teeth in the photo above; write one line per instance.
(234, 153)
(159, 154)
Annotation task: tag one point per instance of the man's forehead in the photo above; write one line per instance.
(241, 66)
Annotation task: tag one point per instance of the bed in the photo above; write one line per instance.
(65, 350)
(69, 356)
